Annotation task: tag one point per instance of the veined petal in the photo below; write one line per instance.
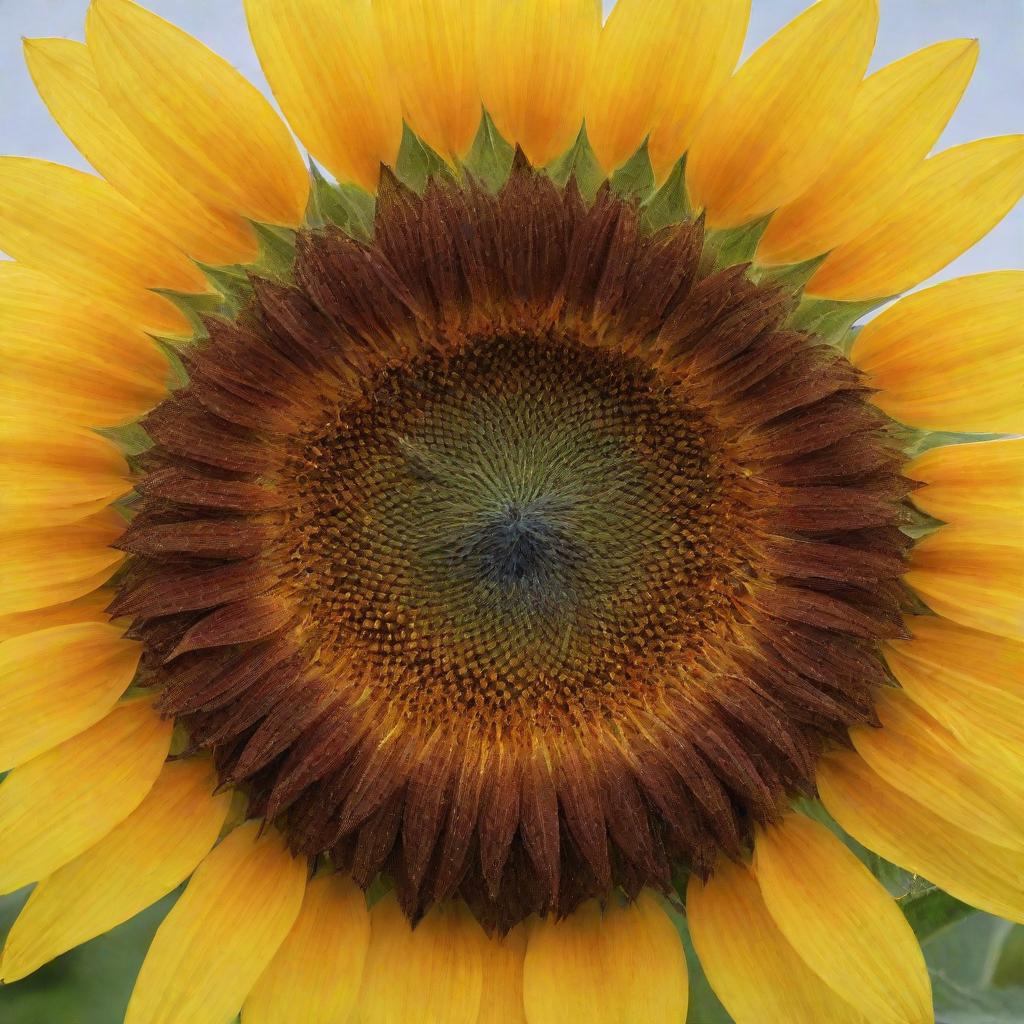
(954, 199)
(932, 354)
(972, 484)
(754, 971)
(659, 64)
(90, 608)
(61, 803)
(58, 564)
(315, 975)
(327, 67)
(137, 863)
(841, 922)
(195, 115)
(64, 76)
(776, 124)
(52, 473)
(441, 976)
(78, 229)
(501, 1001)
(972, 577)
(972, 682)
(58, 681)
(897, 116)
(919, 756)
(625, 966)
(900, 829)
(534, 59)
(246, 880)
(431, 48)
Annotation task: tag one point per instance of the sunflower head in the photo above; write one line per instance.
(496, 544)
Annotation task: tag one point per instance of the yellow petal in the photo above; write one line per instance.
(61, 803)
(972, 484)
(625, 966)
(315, 975)
(774, 127)
(754, 971)
(195, 115)
(951, 357)
(51, 474)
(897, 116)
(78, 229)
(213, 945)
(137, 863)
(972, 576)
(431, 49)
(90, 608)
(327, 67)
(901, 830)
(918, 756)
(659, 64)
(501, 1001)
(63, 73)
(535, 58)
(51, 566)
(58, 681)
(59, 351)
(953, 200)
(972, 682)
(841, 921)
(441, 974)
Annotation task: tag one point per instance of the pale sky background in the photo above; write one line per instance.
(994, 103)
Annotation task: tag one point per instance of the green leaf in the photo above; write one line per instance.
(919, 441)
(579, 162)
(277, 251)
(792, 276)
(490, 158)
(348, 206)
(960, 1004)
(671, 203)
(930, 910)
(1009, 969)
(635, 178)
(730, 246)
(831, 320)
(417, 163)
(131, 438)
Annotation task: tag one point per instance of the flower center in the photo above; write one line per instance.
(517, 555)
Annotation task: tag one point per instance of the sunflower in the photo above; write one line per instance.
(453, 568)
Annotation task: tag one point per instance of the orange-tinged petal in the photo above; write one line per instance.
(953, 200)
(972, 484)
(841, 922)
(441, 976)
(897, 116)
(58, 564)
(52, 473)
(918, 756)
(137, 863)
(901, 830)
(973, 576)
(431, 49)
(58, 681)
(972, 682)
(195, 115)
(933, 355)
(659, 64)
(776, 124)
(501, 1001)
(326, 64)
(63, 73)
(626, 965)
(534, 59)
(90, 608)
(56, 806)
(220, 935)
(79, 230)
(315, 975)
(754, 971)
